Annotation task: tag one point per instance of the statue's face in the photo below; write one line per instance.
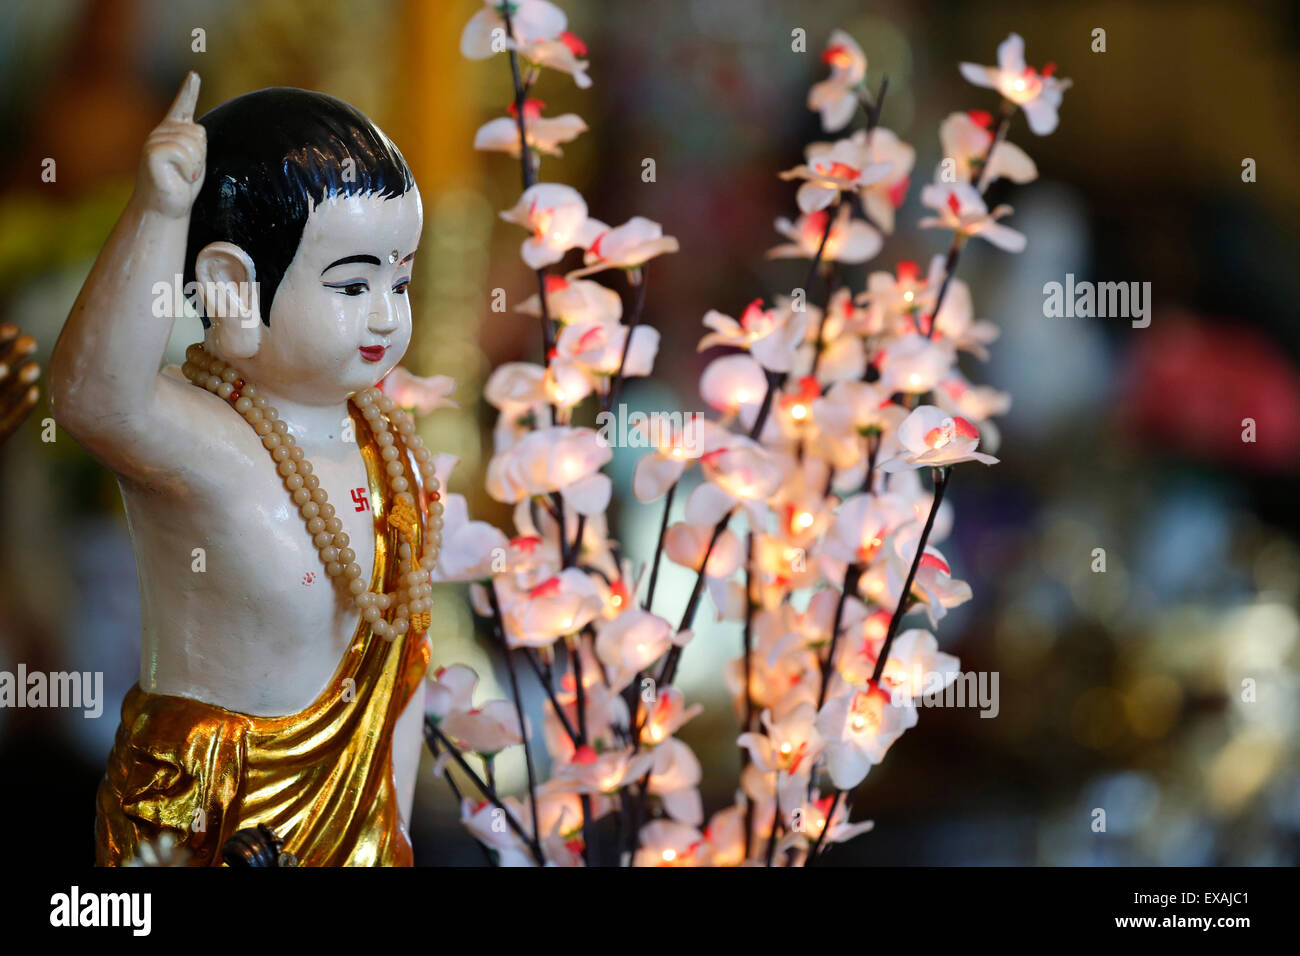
(341, 318)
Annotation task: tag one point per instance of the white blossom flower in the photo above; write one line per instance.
(563, 459)
(556, 216)
(961, 208)
(545, 133)
(850, 241)
(836, 97)
(858, 728)
(930, 438)
(628, 246)
(560, 605)
(1038, 93)
(832, 169)
(575, 300)
(531, 20)
(421, 394)
(772, 336)
(966, 138)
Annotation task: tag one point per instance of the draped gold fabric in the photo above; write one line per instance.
(321, 779)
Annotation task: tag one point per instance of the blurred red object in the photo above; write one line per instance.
(1189, 385)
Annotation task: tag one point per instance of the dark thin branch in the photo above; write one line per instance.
(941, 478)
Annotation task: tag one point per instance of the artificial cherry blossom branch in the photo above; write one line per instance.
(958, 238)
(942, 476)
(431, 730)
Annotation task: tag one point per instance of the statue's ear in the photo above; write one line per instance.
(228, 288)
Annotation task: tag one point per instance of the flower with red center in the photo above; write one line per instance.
(1038, 94)
(929, 437)
(575, 45)
(961, 208)
(836, 97)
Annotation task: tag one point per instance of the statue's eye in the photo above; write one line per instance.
(351, 287)
(402, 286)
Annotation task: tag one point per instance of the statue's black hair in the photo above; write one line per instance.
(274, 154)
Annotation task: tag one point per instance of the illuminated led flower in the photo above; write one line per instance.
(732, 383)
(914, 364)
(858, 728)
(669, 843)
(486, 824)
(743, 474)
(790, 743)
(631, 642)
(567, 460)
(685, 544)
(675, 780)
(1038, 93)
(558, 606)
(674, 450)
(667, 714)
(916, 666)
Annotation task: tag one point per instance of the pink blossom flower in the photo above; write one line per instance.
(667, 715)
(486, 729)
(790, 743)
(731, 383)
(470, 549)
(559, 53)
(914, 364)
(743, 474)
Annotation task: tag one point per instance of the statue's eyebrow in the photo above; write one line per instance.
(360, 257)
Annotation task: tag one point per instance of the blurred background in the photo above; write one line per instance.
(1120, 690)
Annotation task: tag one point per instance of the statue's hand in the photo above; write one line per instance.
(172, 164)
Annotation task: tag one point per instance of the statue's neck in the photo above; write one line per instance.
(309, 424)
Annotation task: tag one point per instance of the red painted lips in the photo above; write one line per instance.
(372, 353)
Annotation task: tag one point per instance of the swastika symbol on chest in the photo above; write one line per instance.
(361, 499)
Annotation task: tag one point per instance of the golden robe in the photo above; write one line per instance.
(322, 779)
